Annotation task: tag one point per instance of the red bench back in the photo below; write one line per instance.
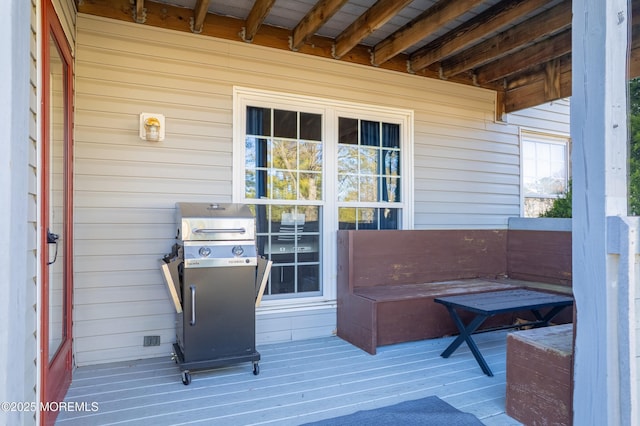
(372, 258)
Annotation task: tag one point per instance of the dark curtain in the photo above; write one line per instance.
(391, 175)
(259, 124)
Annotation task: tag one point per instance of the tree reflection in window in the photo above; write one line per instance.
(283, 163)
(369, 173)
(283, 160)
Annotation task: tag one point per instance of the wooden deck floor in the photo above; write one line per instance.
(299, 382)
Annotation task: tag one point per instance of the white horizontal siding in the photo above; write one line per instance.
(466, 164)
(551, 117)
(295, 325)
(66, 11)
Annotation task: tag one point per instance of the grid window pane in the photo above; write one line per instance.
(311, 186)
(310, 156)
(368, 188)
(544, 168)
(347, 188)
(544, 174)
(284, 174)
(279, 167)
(286, 163)
(348, 131)
(290, 236)
(310, 126)
(369, 160)
(390, 135)
(347, 218)
(285, 124)
(258, 121)
(283, 185)
(368, 218)
(370, 133)
(370, 172)
(284, 155)
(347, 159)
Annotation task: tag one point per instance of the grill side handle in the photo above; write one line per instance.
(220, 231)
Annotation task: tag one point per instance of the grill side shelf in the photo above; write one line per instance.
(170, 275)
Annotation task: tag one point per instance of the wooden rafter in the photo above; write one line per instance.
(199, 14)
(519, 62)
(552, 79)
(367, 23)
(531, 88)
(317, 16)
(477, 28)
(536, 73)
(424, 25)
(540, 26)
(139, 12)
(543, 52)
(256, 17)
(635, 12)
(634, 63)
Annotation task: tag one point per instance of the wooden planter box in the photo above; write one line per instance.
(539, 375)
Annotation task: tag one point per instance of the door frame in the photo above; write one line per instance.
(55, 375)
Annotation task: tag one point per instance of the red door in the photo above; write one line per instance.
(56, 214)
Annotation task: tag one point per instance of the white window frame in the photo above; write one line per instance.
(330, 110)
(546, 137)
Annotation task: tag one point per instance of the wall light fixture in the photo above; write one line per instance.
(152, 127)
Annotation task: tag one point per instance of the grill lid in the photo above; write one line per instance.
(214, 222)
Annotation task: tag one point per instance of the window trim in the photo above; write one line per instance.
(330, 110)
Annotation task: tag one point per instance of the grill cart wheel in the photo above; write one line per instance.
(256, 369)
(186, 378)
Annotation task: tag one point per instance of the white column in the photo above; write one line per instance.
(599, 158)
(15, 32)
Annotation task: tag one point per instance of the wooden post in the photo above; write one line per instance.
(599, 132)
(17, 183)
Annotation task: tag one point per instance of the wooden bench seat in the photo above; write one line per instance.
(387, 281)
(404, 313)
(430, 290)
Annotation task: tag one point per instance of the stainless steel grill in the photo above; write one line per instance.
(211, 276)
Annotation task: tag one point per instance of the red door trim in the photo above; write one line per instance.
(56, 375)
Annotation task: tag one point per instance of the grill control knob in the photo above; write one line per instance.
(237, 251)
(204, 251)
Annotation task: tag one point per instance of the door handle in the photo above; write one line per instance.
(53, 239)
(193, 304)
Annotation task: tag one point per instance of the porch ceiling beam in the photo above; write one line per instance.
(532, 89)
(552, 79)
(635, 12)
(422, 26)
(199, 14)
(493, 19)
(536, 74)
(635, 41)
(317, 16)
(542, 52)
(375, 17)
(634, 63)
(519, 88)
(540, 26)
(256, 17)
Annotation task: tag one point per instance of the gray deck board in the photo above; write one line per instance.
(299, 382)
